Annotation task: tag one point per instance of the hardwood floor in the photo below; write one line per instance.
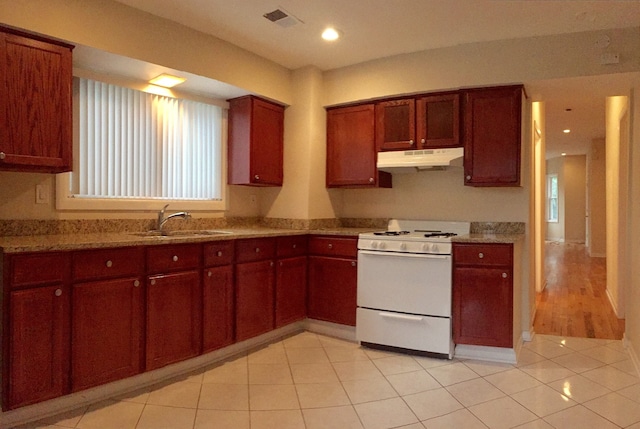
(575, 303)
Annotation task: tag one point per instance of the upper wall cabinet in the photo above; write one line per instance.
(426, 121)
(256, 130)
(492, 136)
(351, 149)
(395, 124)
(438, 120)
(35, 107)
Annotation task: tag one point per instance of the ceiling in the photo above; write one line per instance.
(374, 29)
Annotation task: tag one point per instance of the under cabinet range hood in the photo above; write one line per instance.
(408, 161)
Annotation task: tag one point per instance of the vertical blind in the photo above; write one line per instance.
(138, 145)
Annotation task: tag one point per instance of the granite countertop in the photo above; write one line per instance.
(39, 243)
(488, 238)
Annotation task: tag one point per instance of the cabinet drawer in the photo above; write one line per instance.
(38, 268)
(162, 259)
(218, 253)
(333, 246)
(482, 254)
(255, 249)
(295, 245)
(107, 263)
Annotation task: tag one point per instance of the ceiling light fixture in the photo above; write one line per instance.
(167, 80)
(330, 34)
(567, 131)
(564, 154)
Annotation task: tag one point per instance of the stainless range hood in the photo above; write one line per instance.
(409, 161)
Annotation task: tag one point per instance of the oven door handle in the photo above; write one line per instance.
(400, 316)
(404, 255)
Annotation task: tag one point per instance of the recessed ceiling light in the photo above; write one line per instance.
(564, 154)
(330, 34)
(567, 131)
(167, 80)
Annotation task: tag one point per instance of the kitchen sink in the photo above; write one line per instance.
(182, 233)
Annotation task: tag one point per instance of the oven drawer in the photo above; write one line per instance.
(423, 333)
(485, 254)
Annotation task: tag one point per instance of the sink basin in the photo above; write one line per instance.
(183, 233)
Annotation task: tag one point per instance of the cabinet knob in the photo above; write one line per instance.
(2, 155)
(136, 283)
(480, 255)
(330, 246)
(257, 250)
(504, 275)
(271, 264)
(280, 263)
(175, 258)
(58, 292)
(353, 263)
(256, 177)
(423, 141)
(295, 245)
(371, 180)
(219, 253)
(411, 142)
(209, 274)
(153, 282)
(468, 177)
(109, 264)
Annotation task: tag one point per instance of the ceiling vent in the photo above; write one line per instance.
(282, 18)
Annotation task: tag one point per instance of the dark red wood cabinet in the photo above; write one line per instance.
(351, 149)
(291, 280)
(255, 283)
(256, 135)
(483, 294)
(332, 284)
(36, 337)
(438, 120)
(35, 107)
(107, 316)
(174, 304)
(396, 124)
(217, 296)
(492, 136)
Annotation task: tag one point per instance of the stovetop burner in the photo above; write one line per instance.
(440, 234)
(391, 233)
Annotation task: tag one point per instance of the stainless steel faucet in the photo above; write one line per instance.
(162, 219)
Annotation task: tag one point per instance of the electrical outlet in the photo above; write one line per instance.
(42, 194)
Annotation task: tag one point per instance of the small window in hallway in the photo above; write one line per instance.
(552, 198)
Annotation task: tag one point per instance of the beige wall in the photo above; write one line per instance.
(616, 190)
(597, 206)
(537, 201)
(555, 230)
(575, 198)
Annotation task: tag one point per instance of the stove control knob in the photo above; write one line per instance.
(425, 247)
(403, 246)
(434, 248)
(382, 246)
(374, 244)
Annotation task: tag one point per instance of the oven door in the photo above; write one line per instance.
(405, 282)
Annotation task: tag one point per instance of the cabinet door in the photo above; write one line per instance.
(35, 110)
(332, 289)
(38, 340)
(254, 298)
(492, 136)
(396, 125)
(483, 306)
(218, 315)
(291, 286)
(256, 131)
(351, 148)
(438, 121)
(107, 322)
(174, 317)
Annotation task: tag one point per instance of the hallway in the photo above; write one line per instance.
(575, 303)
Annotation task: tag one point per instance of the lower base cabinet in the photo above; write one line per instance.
(217, 315)
(254, 298)
(38, 338)
(173, 318)
(291, 294)
(107, 322)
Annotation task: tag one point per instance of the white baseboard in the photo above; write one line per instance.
(76, 400)
(613, 304)
(635, 357)
(492, 354)
(331, 329)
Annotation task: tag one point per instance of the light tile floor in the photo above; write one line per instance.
(316, 382)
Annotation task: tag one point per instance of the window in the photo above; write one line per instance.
(552, 198)
(136, 150)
